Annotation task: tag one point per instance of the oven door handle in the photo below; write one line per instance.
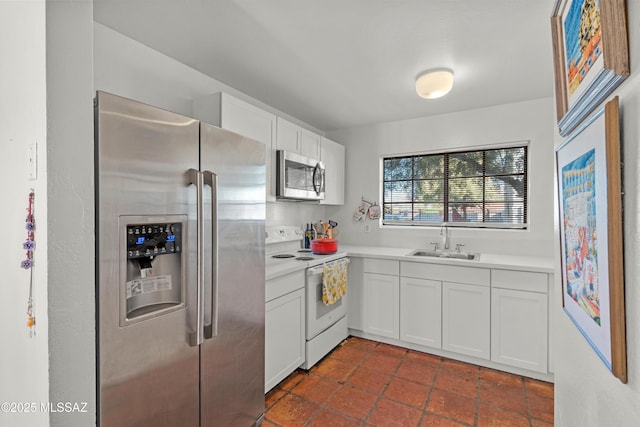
(319, 269)
(314, 271)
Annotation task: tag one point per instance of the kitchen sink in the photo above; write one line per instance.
(444, 254)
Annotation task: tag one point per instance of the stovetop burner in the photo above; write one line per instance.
(283, 256)
(305, 258)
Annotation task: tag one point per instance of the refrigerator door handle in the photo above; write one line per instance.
(211, 316)
(196, 316)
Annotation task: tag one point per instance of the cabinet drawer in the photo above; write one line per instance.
(284, 284)
(382, 266)
(447, 273)
(519, 280)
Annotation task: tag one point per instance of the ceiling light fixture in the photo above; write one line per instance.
(434, 83)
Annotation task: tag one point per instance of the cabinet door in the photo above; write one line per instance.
(291, 137)
(252, 122)
(355, 289)
(466, 319)
(421, 311)
(246, 119)
(333, 157)
(287, 135)
(519, 329)
(309, 144)
(284, 337)
(381, 305)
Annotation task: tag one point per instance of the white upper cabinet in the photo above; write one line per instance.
(309, 144)
(294, 138)
(228, 112)
(333, 157)
(223, 110)
(287, 136)
(248, 120)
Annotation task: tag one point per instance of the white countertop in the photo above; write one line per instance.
(271, 272)
(487, 260)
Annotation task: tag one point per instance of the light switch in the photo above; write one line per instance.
(32, 162)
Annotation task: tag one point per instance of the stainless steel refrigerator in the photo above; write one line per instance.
(180, 269)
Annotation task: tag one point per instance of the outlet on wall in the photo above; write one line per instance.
(367, 228)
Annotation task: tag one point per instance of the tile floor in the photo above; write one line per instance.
(365, 383)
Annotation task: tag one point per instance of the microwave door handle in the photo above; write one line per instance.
(211, 315)
(195, 315)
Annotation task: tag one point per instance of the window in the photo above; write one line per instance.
(479, 188)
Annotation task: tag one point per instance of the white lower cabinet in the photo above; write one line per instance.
(381, 304)
(519, 320)
(421, 311)
(355, 290)
(284, 336)
(499, 317)
(466, 317)
(381, 297)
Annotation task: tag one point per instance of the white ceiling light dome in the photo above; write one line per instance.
(434, 83)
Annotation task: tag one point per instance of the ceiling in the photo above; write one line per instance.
(344, 63)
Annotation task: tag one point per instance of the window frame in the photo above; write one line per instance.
(471, 225)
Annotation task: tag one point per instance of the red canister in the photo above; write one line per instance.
(324, 246)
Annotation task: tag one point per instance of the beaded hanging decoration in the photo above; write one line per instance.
(29, 245)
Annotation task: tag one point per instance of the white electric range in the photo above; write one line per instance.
(326, 326)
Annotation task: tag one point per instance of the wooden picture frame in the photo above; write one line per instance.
(591, 56)
(591, 240)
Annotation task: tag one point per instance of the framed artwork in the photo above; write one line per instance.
(591, 56)
(591, 247)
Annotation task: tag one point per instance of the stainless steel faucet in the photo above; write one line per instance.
(446, 234)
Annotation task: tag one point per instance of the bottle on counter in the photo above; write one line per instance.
(308, 236)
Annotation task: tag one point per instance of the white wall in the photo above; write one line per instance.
(505, 123)
(24, 367)
(71, 302)
(586, 393)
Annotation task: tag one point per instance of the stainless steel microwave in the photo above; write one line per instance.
(298, 177)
